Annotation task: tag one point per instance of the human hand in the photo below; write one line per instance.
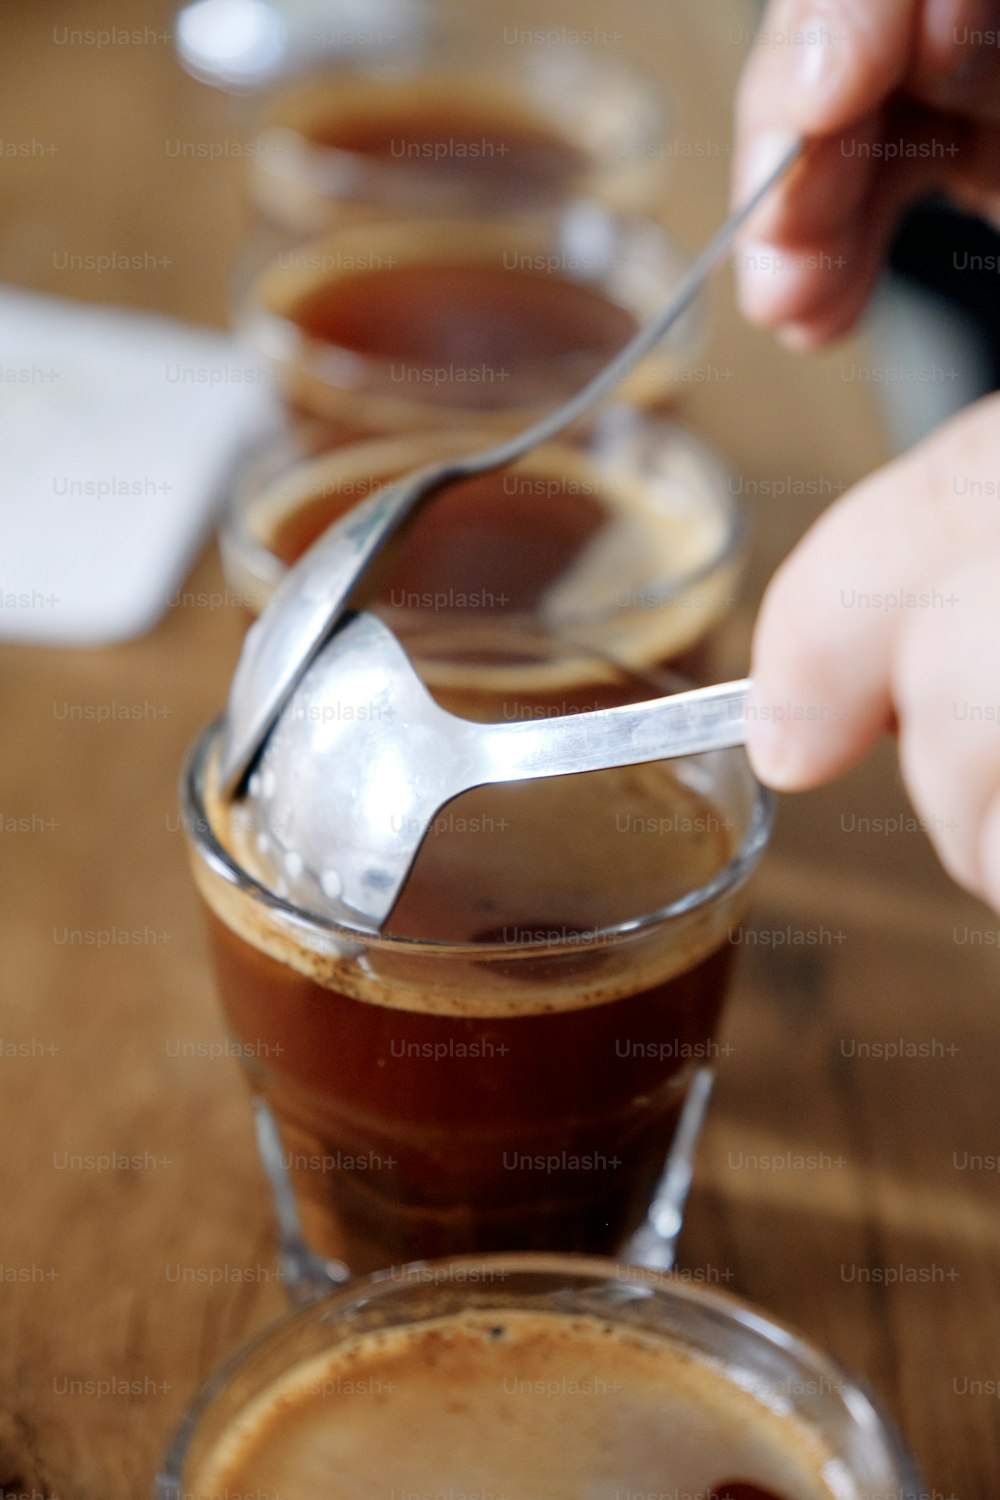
(895, 98)
(887, 615)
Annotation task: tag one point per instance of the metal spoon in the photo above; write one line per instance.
(325, 581)
(362, 760)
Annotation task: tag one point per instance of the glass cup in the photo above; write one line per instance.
(451, 127)
(630, 541)
(510, 1061)
(535, 1374)
(464, 322)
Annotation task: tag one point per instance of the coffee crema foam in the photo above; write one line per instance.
(514, 1405)
(542, 868)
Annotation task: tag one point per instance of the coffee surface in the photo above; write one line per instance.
(539, 546)
(473, 317)
(486, 541)
(536, 864)
(520, 1405)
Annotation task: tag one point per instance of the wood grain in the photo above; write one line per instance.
(135, 1241)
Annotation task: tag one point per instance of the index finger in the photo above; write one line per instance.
(819, 66)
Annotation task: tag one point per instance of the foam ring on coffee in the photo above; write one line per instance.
(535, 972)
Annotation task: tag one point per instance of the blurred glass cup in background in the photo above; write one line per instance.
(629, 541)
(460, 127)
(455, 233)
(465, 322)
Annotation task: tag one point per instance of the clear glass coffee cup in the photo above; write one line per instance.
(411, 324)
(521, 1058)
(525, 1375)
(630, 541)
(450, 126)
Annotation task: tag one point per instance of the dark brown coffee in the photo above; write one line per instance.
(495, 540)
(496, 544)
(515, 1405)
(521, 1089)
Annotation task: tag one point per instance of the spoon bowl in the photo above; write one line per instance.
(362, 759)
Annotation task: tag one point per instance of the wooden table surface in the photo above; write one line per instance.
(850, 1189)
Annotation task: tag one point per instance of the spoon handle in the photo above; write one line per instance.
(709, 718)
(648, 336)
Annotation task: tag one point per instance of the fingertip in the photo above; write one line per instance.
(762, 286)
(780, 287)
(771, 762)
(799, 338)
(800, 741)
(825, 326)
(777, 753)
(824, 305)
(814, 710)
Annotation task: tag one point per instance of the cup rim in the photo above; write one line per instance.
(209, 847)
(573, 1271)
(250, 553)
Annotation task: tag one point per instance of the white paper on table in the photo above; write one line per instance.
(117, 432)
